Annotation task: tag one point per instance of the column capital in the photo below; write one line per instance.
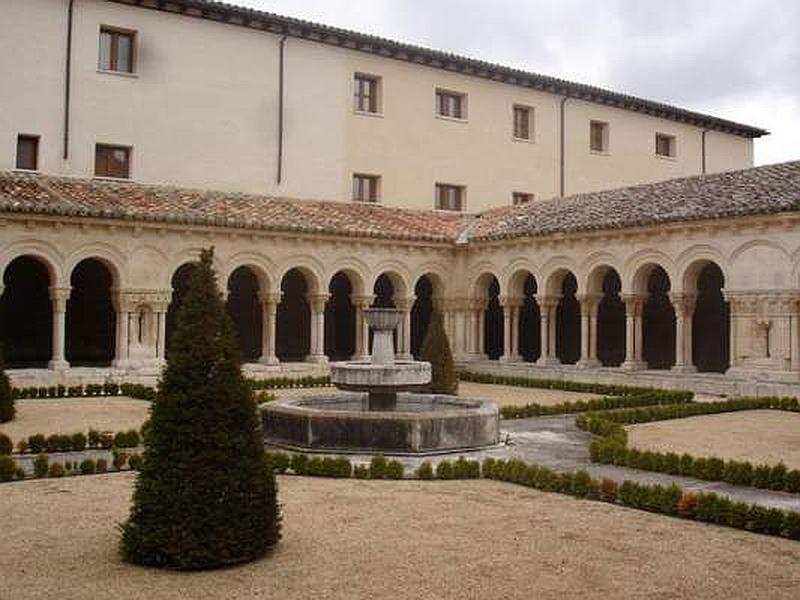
(59, 297)
(270, 297)
(318, 301)
(589, 302)
(633, 302)
(683, 303)
(364, 301)
(511, 301)
(547, 301)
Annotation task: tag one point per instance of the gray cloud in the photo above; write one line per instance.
(738, 59)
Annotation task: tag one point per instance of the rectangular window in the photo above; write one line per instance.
(112, 161)
(665, 145)
(518, 198)
(449, 197)
(522, 122)
(598, 134)
(450, 104)
(116, 50)
(365, 188)
(365, 94)
(28, 152)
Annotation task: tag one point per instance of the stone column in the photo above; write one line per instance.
(121, 349)
(161, 334)
(589, 305)
(58, 298)
(634, 306)
(362, 329)
(794, 337)
(547, 330)
(510, 329)
(317, 350)
(269, 318)
(684, 311)
(480, 316)
(404, 329)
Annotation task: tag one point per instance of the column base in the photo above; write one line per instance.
(684, 369)
(269, 360)
(405, 356)
(510, 359)
(122, 363)
(548, 361)
(633, 365)
(319, 359)
(58, 365)
(588, 363)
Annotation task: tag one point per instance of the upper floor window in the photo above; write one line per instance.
(665, 145)
(449, 197)
(112, 161)
(365, 188)
(116, 50)
(366, 94)
(28, 152)
(451, 104)
(598, 136)
(518, 198)
(522, 122)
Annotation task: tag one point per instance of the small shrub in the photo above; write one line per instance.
(37, 443)
(466, 469)
(101, 465)
(119, 460)
(280, 461)
(93, 439)
(22, 446)
(444, 470)
(56, 470)
(135, 462)
(41, 465)
(78, 441)
(377, 467)
(6, 446)
(8, 468)
(88, 467)
(580, 484)
(107, 440)
(394, 470)
(299, 464)
(777, 477)
(361, 472)
(425, 470)
(609, 490)
(792, 481)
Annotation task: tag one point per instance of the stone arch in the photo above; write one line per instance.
(244, 306)
(653, 283)
(760, 265)
(522, 287)
(438, 274)
(261, 267)
(91, 316)
(309, 267)
(293, 319)
(340, 314)
(553, 274)
(487, 290)
(113, 259)
(692, 261)
(568, 316)
(179, 284)
(705, 279)
(191, 255)
(397, 275)
(594, 269)
(26, 312)
(46, 253)
(513, 276)
(640, 265)
(605, 285)
(356, 271)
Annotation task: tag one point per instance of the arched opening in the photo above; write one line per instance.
(421, 313)
(711, 322)
(568, 322)
(658, 322)
(293, 325)
(245, 311)
(530, 339)
(26, 314)
(180, 285)
(91, 318)
(340, 319)
(611, 322)
(493, 321)
(384, 292)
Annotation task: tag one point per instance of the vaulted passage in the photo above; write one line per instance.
(245, 310)
(293, 319)
(91, 319)
(568, 322)
(180, 285)
(421, 313)
(493, 322)
(658, 322)
(530, 340)
(611, 323)
(340, 319)
(26, 315)
(711, 323)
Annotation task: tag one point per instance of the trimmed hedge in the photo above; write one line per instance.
(612, 446)
(290, 382)
(76, 442)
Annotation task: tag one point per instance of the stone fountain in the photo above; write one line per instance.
(381, 407)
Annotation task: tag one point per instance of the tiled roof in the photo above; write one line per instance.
(40, 194)
(324, 34)
(755, 191)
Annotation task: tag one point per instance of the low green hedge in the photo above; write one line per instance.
(290, 382)
(76, 442)
(612, 445)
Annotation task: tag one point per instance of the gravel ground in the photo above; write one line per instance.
(71, 415)
(502, 395)
(347, 539)
(758, 436)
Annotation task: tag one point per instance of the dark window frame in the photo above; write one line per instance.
(109, 170)
(443, 200)
(670, 141)
(113, 65)
(451, 105)
(520, 198)
(363, 182)
(522, 120)
(366, 93)
(604, 129)
(28, 138)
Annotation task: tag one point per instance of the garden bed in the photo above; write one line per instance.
(757, 436)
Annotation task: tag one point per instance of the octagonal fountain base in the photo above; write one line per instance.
(418, 424)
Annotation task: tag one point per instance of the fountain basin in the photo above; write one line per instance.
(363, 375)
(419, 424)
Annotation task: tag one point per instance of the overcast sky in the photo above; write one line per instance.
(738, 59)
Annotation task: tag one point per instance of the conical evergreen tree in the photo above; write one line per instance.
(205, 496)
(436, 350)
(7, 410)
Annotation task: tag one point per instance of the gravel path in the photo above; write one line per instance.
(372, 540)
(758, 436)
(71, 415)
